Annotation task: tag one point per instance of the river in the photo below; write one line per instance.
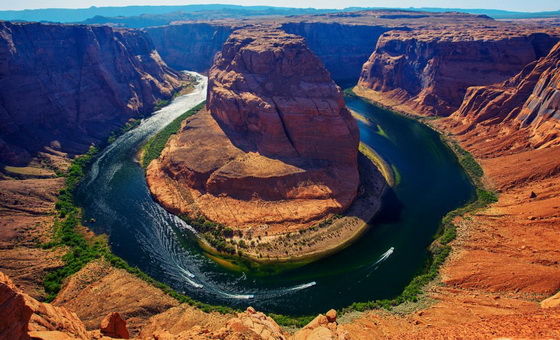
(429, 183)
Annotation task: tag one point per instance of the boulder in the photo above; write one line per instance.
(114, 326)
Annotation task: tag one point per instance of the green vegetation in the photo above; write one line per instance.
(65, 229)
(440, 248)
(349, 92)
(155, 145)
(131, 124)
(183, 90)
(291, 321)
(82, 250)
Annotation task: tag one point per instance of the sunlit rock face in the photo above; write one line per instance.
(276, 146)
(428, 71)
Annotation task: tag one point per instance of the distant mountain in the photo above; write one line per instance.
(493, 13)
(147, 20)
(143, 16)
(64, 15)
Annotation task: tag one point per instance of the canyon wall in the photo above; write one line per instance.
(190, 46)
(276, 148)
(343, 49)
(63, 87)
(528, 104)
(428, 71)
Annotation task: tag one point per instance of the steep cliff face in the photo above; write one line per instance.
(429, 71)
(343, 49)
(275, 92)
(64, 87)
(529, 101)
(190, 46)
(277, 146)
(22, 317)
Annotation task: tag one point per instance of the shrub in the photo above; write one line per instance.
(156, 144)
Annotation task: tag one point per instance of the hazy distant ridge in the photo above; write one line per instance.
(83, 14)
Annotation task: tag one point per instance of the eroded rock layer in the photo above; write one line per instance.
(429, 71)
(342, 48)
(189, 46)
(528, 104)
(277, 148)
(66, 86)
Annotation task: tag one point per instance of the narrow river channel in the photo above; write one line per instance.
(429, 183)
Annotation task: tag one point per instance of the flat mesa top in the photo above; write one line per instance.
(262, 37)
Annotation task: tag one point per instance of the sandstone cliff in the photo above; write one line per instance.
(342, 48)
(428, 71)
(189, 46)
(22, 317)
(63, 87)
(523, 111)
(276, 149)
(343, 41)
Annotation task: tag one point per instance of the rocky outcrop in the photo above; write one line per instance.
(527, 103)
(273, 91)
(343, 48)
(323, 327)
(428, 71)
(114, 326)
(63, 87)
(276, 149)
(22, 317)
(189, 46)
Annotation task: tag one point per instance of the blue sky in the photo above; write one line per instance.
(512, 5)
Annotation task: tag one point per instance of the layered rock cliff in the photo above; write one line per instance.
(276, 149)
(343, 48)
(63, 87)
(22, 317)
(528, 103)
(189, 46)
(428, 71)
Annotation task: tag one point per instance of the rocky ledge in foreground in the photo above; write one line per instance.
(275, 152)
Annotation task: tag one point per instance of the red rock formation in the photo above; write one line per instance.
(270, 88)
(343, 41)
(429, 71)
(66, 86)
(528, 103)
(323, 327)
(22, 317)
(279, 147)
(114, 326)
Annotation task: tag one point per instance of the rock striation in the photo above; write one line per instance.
(343, 48)
(276, 149)
(189, 46)
(528, 103)
(63, 87)
(428, 71)
(22, 317)
(343, 41)
(114, 326)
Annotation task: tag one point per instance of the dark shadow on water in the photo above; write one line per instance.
(391, 209)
